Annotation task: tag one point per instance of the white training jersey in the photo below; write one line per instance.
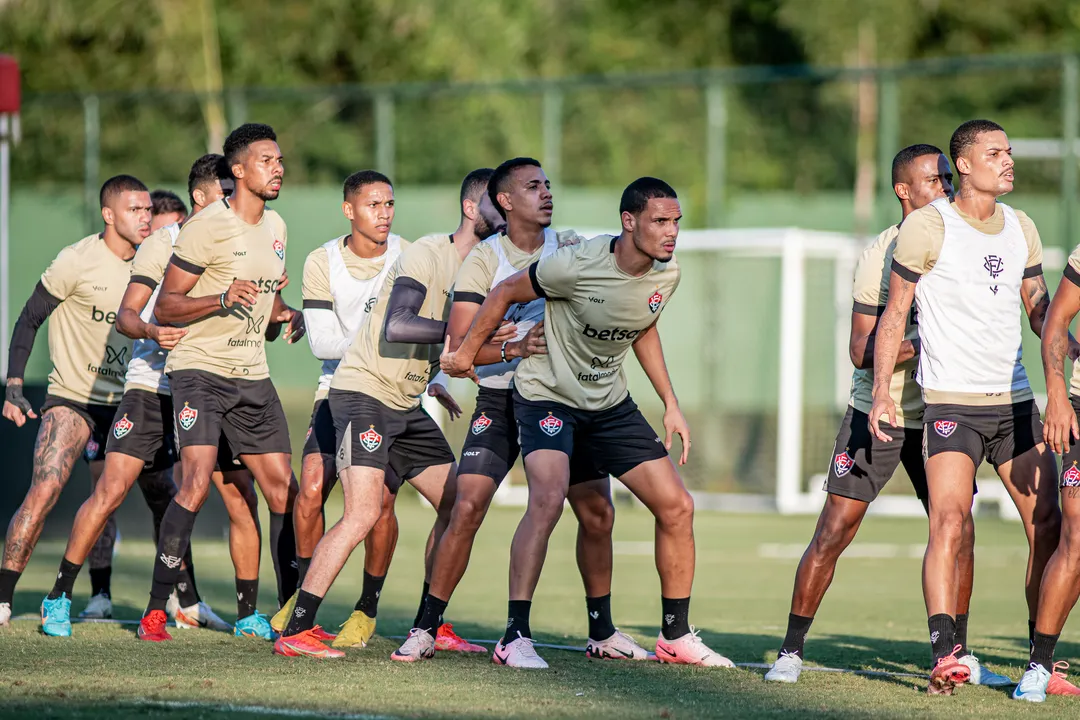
(147, 366)
(969, 309)
(523, 315)
(353, 299)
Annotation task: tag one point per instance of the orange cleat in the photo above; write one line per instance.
(1058, 685)
(305, 643)
(447, 639)
(152, 627)
(322, 635)
(948, 673)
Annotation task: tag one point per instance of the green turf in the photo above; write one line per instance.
(872, 619)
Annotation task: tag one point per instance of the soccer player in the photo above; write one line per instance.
(378, 421)
(861, 465)
(341, 283)
(169, 209)
(520, 191)
(142, 443)
(80, 290)
(968, 265)
(222, 286)
(604, 297)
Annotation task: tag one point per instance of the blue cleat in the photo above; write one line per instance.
(983, 676)
(1032, 686)
(255, 625)
(56, 616)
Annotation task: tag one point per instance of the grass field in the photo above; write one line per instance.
(872, 619)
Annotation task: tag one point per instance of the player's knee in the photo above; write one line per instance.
(599, 519)
(468, 514)
(41, 498)
(310, 498)
(108, 496)
(947, 526)
(678, 513)
(545, 504)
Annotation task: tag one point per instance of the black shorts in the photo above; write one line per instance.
(1070, 462)
(143, 429)
(371, 434)
(861, 464)
(615, 440)
(247, 412)
(491, 447)
(998, 433)
(320, 438)
(98, 418)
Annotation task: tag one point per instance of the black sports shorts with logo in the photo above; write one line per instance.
(1070, 462)
(98, 418)
(615, 440)
(371, 434)
(247, 412)
(143, 429)
(861, 464)
(321, 438)
(491, 447)
(998, 433)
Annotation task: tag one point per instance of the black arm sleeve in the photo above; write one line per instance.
(403, 325)
(33, 315)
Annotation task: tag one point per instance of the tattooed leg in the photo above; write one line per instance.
(60, 440)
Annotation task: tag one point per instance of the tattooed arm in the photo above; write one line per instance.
(1060, 424)
(890, 334)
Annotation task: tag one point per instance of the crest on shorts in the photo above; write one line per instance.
(370, 439)
(92, 448)
(122, 427)
(308, 436)
(1071, 477)
(187, 417)
(551, 425)
(279, 249)
(843, 464)
(654, 301)
(481, 424)
(944, 428)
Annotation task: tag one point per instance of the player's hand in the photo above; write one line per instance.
(506, 331)
(283, 282)
(534, 342)
(16, 407)
(1059, 424)
(166, 335)
(454, 365)
(675, 424)
(883, 407)
(296, 329)
(440, 393)
(243, 292)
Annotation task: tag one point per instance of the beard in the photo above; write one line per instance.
(482, 228)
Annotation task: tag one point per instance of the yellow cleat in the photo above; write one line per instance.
(281, 618)
(356, 631)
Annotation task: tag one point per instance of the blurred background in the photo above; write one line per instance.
(776, 121)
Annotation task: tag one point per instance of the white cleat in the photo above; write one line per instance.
(786, 669)
(689, 650)
(982, 676)
(172, 605)
(420, 645)
(518, 654)
(99, 608)
(200, 616)
(5, 614)
(619, 646)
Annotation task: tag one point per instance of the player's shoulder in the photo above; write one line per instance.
(403, 244)
(216, 221)
(317, 260)
(591, 248)
(162, 237)
(927, 221)
(880, 248)
(433, 244)
(82, 251)
(274, 220)
(1022, 217)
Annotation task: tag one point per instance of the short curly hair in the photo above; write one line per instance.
(242, 137)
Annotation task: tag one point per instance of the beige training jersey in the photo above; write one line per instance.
(220, 247)
(593, 313)
(870, 294)
(1072, 274)
(89, 356)
(918, 247)
(396, 374)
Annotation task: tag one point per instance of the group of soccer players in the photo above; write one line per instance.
(543, 322)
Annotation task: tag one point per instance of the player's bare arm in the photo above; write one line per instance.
(37, 309)
(518, 288)
(863, 338)
(130, 323)
(890, 335)
(462, 314)
(650, 353)
(175, 306)
(1059, 423)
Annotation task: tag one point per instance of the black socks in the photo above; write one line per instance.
(247, 596)
(1042, 650)
(797, 628)
(518, 620)
(432, 617)
(283, 553)
(65, 579)
(369, 595)
(942, 635)
(173, 544)
(600, 625)
(303, 615)
(101, 581)
(676, 617)
(423, 600)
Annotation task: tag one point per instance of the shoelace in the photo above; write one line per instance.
(950, 656)
(787, 658)
(155, 621)
(528, 650)
(414, 639)
(1063, 665)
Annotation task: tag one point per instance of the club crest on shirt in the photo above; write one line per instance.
(843, 464)
(187, 417)
(994, 265)
(92, 448)
(122, 427)
(1071, 477)
(944, 428)
(654, 301)
(551, 425)
(481, 424)
(370, 440)
(279, 249)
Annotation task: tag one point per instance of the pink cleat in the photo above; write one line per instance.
(689, 650)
